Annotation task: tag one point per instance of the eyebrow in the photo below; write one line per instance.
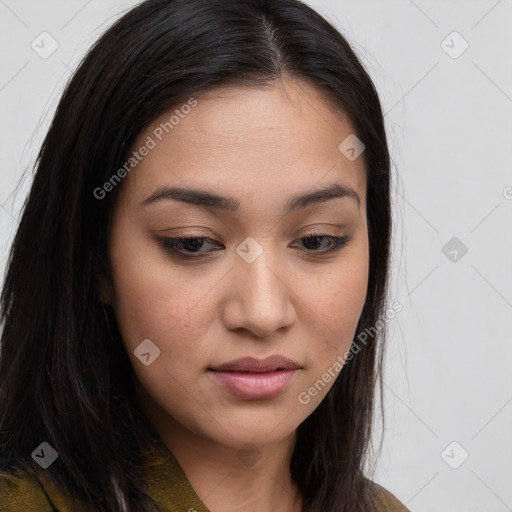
(210, 200)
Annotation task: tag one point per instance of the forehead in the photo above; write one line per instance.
(248, 142)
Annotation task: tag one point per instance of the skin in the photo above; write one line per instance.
(260, 146)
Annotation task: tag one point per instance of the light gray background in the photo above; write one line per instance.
(449, 123)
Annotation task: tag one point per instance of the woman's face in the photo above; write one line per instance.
(250, 284)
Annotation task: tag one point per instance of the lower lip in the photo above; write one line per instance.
(252, 385)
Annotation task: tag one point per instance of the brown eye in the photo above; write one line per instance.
(190, 247)
(187, 247)
(315, 242)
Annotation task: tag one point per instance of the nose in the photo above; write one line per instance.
(261, 298)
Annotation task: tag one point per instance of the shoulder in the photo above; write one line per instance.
(387, 502)
(25, 491)
(22, 491)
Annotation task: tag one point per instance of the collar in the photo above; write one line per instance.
(167, 482)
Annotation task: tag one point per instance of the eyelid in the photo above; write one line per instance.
(169, 245)
(315, 231)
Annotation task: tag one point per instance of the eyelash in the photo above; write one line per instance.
(170, 244)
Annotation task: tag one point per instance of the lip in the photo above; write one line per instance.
(254, 385)
(252, 364)
(255, 379)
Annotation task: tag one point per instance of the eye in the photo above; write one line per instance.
(187, 247)
(314, 241)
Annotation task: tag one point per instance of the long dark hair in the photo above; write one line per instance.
(64, 373)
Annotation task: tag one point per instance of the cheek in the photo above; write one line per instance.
(340, 315)
(338, 300)
(343, 294)
(151, 303)
(149, 299)
(157, 300)
(137, 302)
(347, 298)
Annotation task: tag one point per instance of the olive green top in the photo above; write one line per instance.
(165, 481)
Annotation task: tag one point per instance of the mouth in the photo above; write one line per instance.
(253, 365)
(254, 379)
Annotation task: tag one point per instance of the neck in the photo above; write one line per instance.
(231, 478)
(251, 478)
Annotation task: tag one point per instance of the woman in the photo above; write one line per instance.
(190, 304)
